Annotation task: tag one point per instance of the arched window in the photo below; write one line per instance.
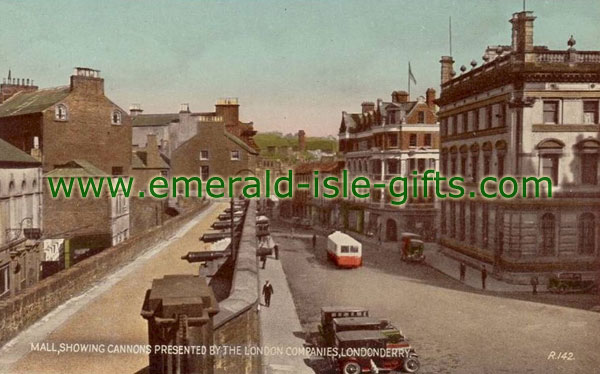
(61, 113)
(588, 151)
(548, 229)
(549, 152)
(587, 234)
(116, 117)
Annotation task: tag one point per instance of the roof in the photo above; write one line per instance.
(12, 154)
(139, 161)
(330, 309)
(353, 335)
(356, 321)
(241, 143)
(154, 119)
(343, 239)
(76, 168)
(33, 102)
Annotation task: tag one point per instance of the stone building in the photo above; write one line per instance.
(526, 111)
(70, 128)
(385, 140)
(20, 219)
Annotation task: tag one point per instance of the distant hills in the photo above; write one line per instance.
(277, 139)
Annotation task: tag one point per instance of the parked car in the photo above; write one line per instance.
(363, 323)
(329, 313)
(569, 283)
(412, 247)
(351, 359)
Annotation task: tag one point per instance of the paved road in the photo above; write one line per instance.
(454, 328)
(107, 314)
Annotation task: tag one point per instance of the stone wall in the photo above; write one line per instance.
(237, 321)
(22, 310)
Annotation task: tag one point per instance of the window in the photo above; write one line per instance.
(412, 141)
(550, 167)
(472, 222)
(460, 126)
(60, 112)
(421, 117)
(590, 112)
(235, 155)
(117, 170)
(489, 115)
(204, 172)
(462, 220)
(500, 165)
(4, 279)
(204, 154)
(587, 234)
(392, 117)
(485, 220)
(474, 166)
(548, 233)
(393, 140)
(463, 165)
(421, 165)
(443, 217)
(589, 168)
(116, 117)
(444, 127)
(427, 140)
(476, 120)
(550, 111)
(345, 249)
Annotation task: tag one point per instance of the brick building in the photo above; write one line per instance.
(200, 144)
(20, 223)
(385, 140)
(74, 124)
(526, 111)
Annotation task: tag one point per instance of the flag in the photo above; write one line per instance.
(410, 74)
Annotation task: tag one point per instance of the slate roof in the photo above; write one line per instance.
(138, 161)
(154, 119)
(33, 102)
(241, 143)
(77, 168)
(11, 154)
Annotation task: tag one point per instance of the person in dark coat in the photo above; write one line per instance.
(267, 292)
(463, 271)
(483, 276)
(534, 283)
(263, 258)
(314, 241)
(276, 249)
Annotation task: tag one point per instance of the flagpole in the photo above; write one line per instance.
(409, 79)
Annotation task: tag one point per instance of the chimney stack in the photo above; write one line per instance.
(301, 141)
(184, 108)
(400, 97)
(368, 106)
(229, 109)
(522, 31)
(430, 97)
(135, 109)
(447, 68)
(87, 81)
(11, 86)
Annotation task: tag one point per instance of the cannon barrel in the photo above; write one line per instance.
(202, 256)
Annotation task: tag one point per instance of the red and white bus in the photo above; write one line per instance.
(344, 250)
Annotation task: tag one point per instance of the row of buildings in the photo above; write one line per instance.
(76, 131)
(525, 111)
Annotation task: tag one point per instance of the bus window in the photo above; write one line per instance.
(345, 249)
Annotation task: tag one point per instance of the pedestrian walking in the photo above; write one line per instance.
(314, 241)
(483, 276)
(534, 283)
(463, 271)
(263, 258)
(267, 292)
(276, 249)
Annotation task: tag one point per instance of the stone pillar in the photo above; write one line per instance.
(179, 310)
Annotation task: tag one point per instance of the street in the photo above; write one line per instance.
(452, 327)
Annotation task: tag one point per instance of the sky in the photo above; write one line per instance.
(292, 64)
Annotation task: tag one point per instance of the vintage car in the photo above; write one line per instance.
(411, 247)
(569, 283)
(368, 351)
(361, 323)
(344, 250)
(329, 313)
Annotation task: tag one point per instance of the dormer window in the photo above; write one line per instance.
(60, 112)
(116, 117)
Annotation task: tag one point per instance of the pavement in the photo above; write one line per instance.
(279, 323)
(108, 313)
